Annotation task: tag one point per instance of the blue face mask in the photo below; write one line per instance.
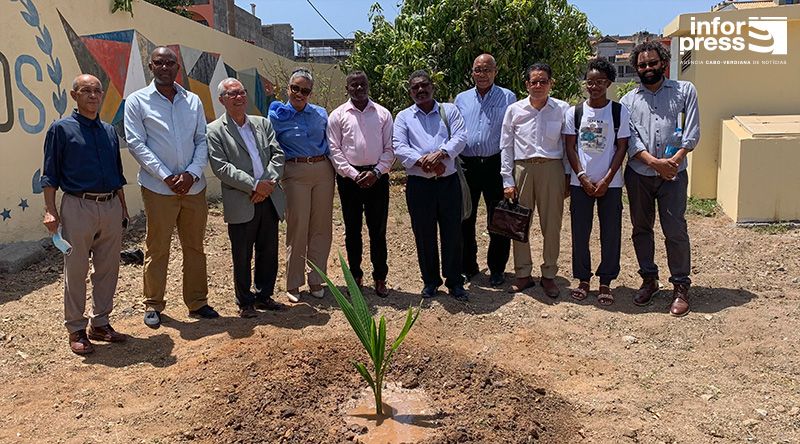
(60, 243)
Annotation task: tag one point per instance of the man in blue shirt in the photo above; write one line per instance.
(165, 127)
(483, 108)
(427, 138)
(81, 156)
(655, 175)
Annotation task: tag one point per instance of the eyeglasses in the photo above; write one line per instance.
(419, 86)
(297, 89)
(650, 64)
(482, 70)
(90, 91)
(163, 63)
(235, 93)
(538, 82)
(593, 83)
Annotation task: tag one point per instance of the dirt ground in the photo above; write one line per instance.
(503, 368)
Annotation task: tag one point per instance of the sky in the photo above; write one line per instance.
(348, 16)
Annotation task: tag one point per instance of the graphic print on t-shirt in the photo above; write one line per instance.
(593, 135)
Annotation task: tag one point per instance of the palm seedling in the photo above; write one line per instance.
(372, 336)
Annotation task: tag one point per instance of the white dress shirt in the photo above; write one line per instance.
(528, 133)
(252, 149)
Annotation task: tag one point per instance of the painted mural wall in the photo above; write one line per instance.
(46, 43)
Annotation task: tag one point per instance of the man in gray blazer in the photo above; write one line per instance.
(244, 154)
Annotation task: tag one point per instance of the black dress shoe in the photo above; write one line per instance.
(497, 279)
(268, 304)
(204, 312)
(459, 294)
(429, 291)
(469, 275)
(248, 312)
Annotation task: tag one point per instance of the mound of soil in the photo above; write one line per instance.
(300, 394)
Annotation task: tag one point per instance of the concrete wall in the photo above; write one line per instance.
(46, 43)
(248, 27)
(725, 90)
(758, 178)
(279, 38)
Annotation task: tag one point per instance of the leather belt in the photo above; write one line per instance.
(479, 159)
(537, 160)
(364, 167)
(97, 197)
(312, 159)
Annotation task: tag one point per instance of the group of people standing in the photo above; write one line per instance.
(537, 151)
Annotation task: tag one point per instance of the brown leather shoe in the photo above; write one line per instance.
(648, 289)
(380, 288)
(680, 306)
(550, 288)
(79, 343)
(521, 284)
(106, 333)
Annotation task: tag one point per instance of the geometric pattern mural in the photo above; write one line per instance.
(119, 60)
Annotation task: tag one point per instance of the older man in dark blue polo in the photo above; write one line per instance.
(81, 156)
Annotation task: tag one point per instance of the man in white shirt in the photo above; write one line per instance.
(533, 170)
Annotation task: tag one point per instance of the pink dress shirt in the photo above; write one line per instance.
(360, 138)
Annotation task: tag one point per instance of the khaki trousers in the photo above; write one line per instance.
(540, 185)
(94, 229)
(190, 214)
(309, 214)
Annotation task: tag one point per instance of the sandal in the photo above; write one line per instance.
(580, 292)
(605, 297)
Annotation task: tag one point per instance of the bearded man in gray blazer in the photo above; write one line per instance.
(246, 157)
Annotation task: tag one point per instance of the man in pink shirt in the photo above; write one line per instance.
(360, 140)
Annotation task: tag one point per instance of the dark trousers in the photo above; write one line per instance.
(644, 192)
(373, 204)
(261, 234)
(609, 212)
(436, 203)
(483, 177)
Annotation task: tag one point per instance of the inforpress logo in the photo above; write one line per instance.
(768, 35)
(765, 35)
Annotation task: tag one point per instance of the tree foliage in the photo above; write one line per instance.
(176, 6)
(625, 87)
(445, 36)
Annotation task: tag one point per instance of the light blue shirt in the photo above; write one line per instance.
(483, 118)
(300, 134)
(654, 117)
(417, 134)
(166, 137)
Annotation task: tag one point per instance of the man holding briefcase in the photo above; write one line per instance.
(533, 171)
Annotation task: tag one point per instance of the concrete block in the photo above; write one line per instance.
(18, 255)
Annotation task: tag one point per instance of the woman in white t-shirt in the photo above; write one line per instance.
(596, 150)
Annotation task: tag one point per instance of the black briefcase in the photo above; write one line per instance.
(511, 220)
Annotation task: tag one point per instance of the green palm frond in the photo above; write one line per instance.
(371, 335)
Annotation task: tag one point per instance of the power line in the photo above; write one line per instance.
(323, 18)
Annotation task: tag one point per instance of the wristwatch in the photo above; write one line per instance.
(377, 173)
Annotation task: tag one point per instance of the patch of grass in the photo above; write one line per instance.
(771, 229)
(702, 207)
